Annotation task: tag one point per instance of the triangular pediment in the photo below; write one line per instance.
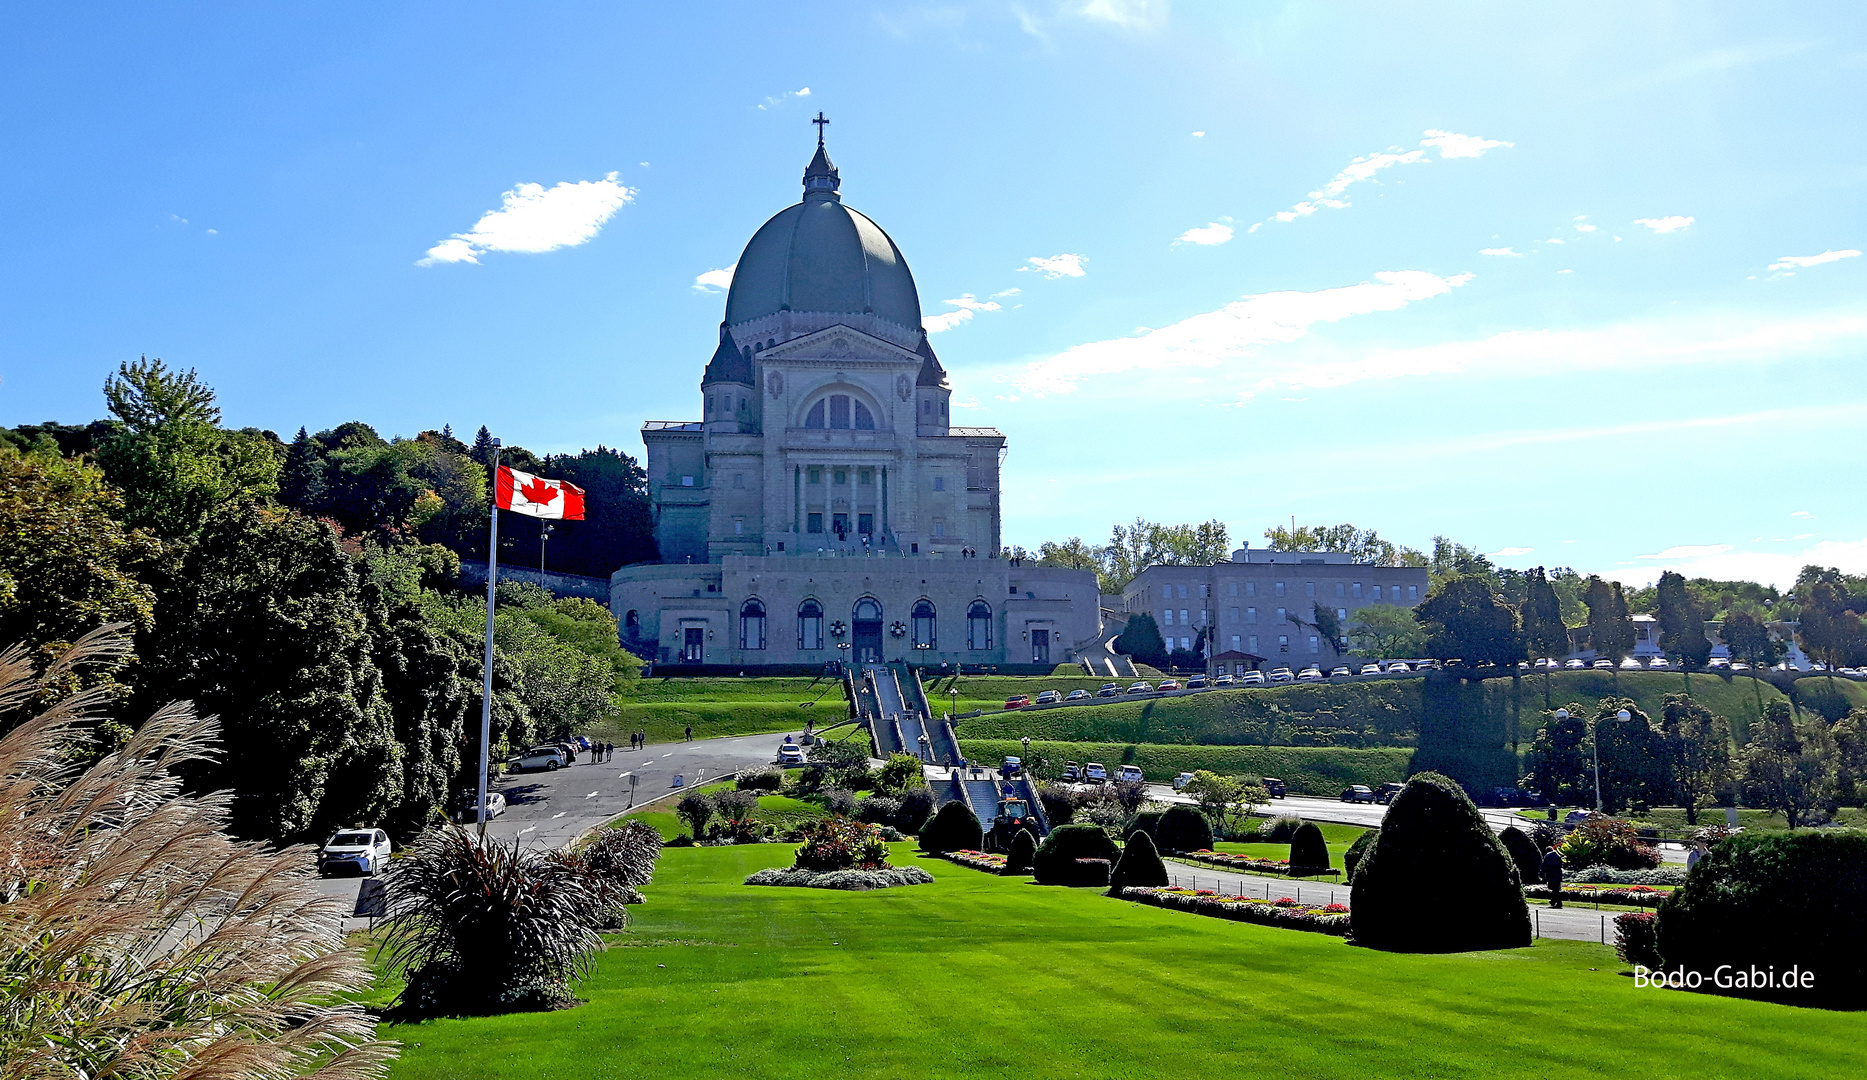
(839, 343)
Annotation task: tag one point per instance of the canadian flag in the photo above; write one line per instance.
(538, 497)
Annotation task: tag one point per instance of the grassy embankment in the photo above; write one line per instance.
(981, 976)
(724, 706)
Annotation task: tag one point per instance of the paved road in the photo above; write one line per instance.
(1569, 923)
(551, 809)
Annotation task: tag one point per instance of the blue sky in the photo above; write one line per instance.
(1580, 285)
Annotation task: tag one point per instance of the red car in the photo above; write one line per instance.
(1017, 702)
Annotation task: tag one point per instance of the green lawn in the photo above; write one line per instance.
(1339, 839)
(724, 706)
(982, 976)
(1308, 770)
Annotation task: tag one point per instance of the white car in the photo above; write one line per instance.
(1281, 675)
(1141, 688)
(1571, 665)
(1630, 664)
(1251, 678)
(1225, 680)
(1180, 781)
(361, 850)
(549, 758)
(790, 754)
(1370, 669)
(1095, 773)
(1658, 662)
(469, 810)
(1310, 674)
(1130, 773)
(1398, 668)
(1604, 664)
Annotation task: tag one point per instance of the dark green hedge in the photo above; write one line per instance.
(1055, 860)
(1183, 828)
(1523, 852)
(954, 827)
(1023, 850)
(1351, 859)
(1309, 852)
(1436, 879)
(1771, 902)
(1308, 770)
(1140, 864)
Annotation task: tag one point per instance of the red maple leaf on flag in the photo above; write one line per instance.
(537, 491)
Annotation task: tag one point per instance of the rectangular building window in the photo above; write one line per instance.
(1280, 588)
(1312, 643)
(1341, 614)
(1283, 643)
(839, 411)
(1251, 614)
(1231, 588)
(1251, 588)
(865, 524)
(1283, 615)
(1186, 643)
(814, 475)
(1309, 589)
(842, 476)
(1252, 645)
(1182, 592)
(1232, 615)
(1355, 590)
(815, 523)
(1184, 621)
(739, 526)
(1166, 617)
(865, 476)
(739, 483)
(1340, 590)
(1205, 591)
(939, 483)
(1413, 592)
(939, 527)
(1377, 592)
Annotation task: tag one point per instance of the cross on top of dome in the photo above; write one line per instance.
(820, 178)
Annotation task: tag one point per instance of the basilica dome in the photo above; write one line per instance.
(821, 256)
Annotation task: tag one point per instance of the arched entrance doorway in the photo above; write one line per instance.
(866, 631)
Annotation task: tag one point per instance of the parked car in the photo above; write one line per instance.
(1197, 682)
(1095, 772)
(1358, 793)
(1576, 817)
(1225, 680)
(1398, 667)
(361, 850)
(1109, 689)
(1180, 781)
(581, 742)
(1310, 674)
(549, 758)
(1130, 773)
(1281, 675)
(1603, 664)
(467, 809)
(1251, 678)
(1169, 684)
(1629, 663)
(1072, 772)
(1387, 792)
(1659, 663)
(1739, 665)
(1273, 785)
(1049, 697)
(1011, 767)
(790, 754)
(1017, 701)
(570, 751)
(1340, 671)
(1143, 687)
(1370, 669)
(1571, 665)
(1078, 695)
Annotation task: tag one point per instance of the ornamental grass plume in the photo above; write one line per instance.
(137, 939)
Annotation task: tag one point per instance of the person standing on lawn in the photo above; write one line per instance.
(1552, 874)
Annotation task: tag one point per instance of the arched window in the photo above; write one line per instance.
(815, 417)
(865, 421)
(840, 411)
(867, 610)
(810, 625)
(924, 624)
(979, 625)
(632, 623)
(752, 625)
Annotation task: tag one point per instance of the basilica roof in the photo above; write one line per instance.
(821, 256)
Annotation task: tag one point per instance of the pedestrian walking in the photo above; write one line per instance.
(1552, 874)
(1699, 851)
(690, 733)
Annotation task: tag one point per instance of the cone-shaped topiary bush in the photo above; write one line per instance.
(954, 827)
(1309, 852)
(1140, 863)
(1353, 856)
(1055, 860)
(1523, 852)
(1769, 902)
(1436, 879)
(1023, 850)
(1182, 828)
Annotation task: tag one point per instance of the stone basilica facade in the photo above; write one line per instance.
(824, 507)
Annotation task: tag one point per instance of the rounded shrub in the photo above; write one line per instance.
(1356, 851)
(1434, 845)
(1140, 863)
(954, 827)
(917, 805)
(1772, 902)
(1148, 821)
(765, 779)
(878, 810)
(1023, 850)
(1309, 852)
(1183, 828)
(1523, 852)
(1281, 829)
(1054, 862)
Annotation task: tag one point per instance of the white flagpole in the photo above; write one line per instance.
(486, 685)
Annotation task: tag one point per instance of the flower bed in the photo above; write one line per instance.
(1250, 864)
(978, 860)
(885, 877)
(1282, 912)
(1625, 895)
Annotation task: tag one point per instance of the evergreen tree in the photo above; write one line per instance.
(1749, 638)
(1309, 852)
(1682, 627)
(1544, 634)
(301, 480)
(1610, 627)
(1140, 864)
(1465, 620)
(482, 451)
(1141, 640)
(1182, 828)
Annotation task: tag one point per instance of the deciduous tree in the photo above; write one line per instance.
(1682, 625)
(1386, 630)
(1699, 742)
(1778, 770)
(1465, 620)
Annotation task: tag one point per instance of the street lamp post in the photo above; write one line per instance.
(1622, 716)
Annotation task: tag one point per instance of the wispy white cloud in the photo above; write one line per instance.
(946, 320)
(1503, 251)
(774, 102)
(1585, 227)
(532, 218)
(1234, 331)
(1509, 552)
(715, 280)
(1057, 266)
(1199, 134)
(1779, 567)
(1461, 146)
(1801, 514)
(1129, 14)
(1788, 262)
(973, 303)
(1013, 291)
(1665, 224)
(1208, 234)
(1369, 166)
(1689, 551)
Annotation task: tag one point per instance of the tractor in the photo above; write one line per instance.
(1013, 814)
